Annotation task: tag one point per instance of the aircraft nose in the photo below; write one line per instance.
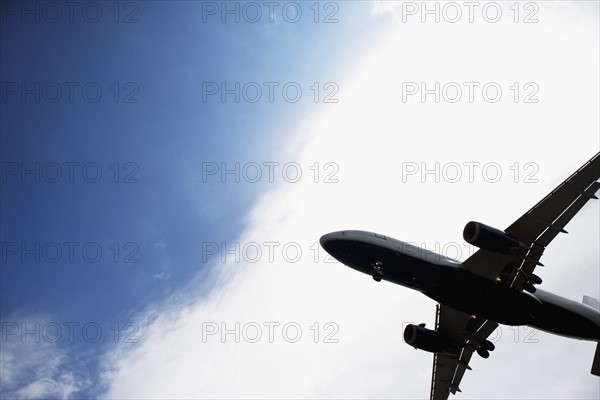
(336, 244)
(348, 247)
(327, 240)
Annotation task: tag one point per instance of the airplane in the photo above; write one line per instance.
(495, 285)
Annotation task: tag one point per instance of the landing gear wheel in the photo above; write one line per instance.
(536, 280)
(483, 352)
(377, 278)
(489, 346)
(529, 287)
(377, 267)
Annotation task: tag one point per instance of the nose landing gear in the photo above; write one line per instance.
(378, 271)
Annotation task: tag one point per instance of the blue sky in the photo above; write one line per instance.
(151, 213)
(165, 134)
(152, 127)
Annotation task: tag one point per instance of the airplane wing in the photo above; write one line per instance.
(538, 227)
(448, 369)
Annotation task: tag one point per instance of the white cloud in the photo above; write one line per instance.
(381, 8)
(369, 135)
(32, 367)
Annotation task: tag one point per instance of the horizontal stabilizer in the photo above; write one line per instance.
(596, 363)
(592, 302)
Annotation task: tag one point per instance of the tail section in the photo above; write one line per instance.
(592, 302)
(596, 363)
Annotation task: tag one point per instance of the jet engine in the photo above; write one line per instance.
(492, 239)
(425, 339)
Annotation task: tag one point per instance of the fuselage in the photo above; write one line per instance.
(446, 281)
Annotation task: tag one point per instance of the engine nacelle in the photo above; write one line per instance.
(425, 339)
(492, 239)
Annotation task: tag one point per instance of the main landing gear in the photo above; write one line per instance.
(527, 283)
(486, 347)
(533, 280)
